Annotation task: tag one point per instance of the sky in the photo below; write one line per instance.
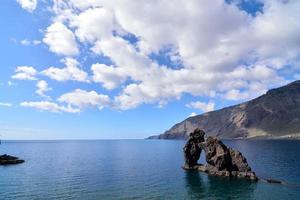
(126, 69)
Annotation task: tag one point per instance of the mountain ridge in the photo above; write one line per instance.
(275, 114)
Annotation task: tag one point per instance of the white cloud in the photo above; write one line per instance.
(210, 61)
(110, 77)
(36, 42)
(253, 73)
(71, 71)
(253, 90)
(81, 98)
(25, 42)
(93, 24)
(49, 106)
(205, 107)
(28, 5)
(5, 104)
(235, 95)
(25, 73)
(42, 87)
(124, 56)
(193, 114)
(61, 40)
(224, 52)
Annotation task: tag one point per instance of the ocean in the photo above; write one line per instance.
(141, 169)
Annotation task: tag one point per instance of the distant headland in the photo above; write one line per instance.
(274, 115)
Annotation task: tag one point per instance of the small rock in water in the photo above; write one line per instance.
(274, 181)
(9, 160)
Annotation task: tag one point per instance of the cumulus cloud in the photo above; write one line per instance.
(253, 90)
(110, 77)
(86, 24)
(211, 53)
(81, 98)
(205, 107)
(42, 87)
(61, 40)
(25, 73)
(71, 71)
(71, 102)
(49, 106)
(28, 5)
(224, 51)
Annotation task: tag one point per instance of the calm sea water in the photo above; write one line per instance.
(141, 169)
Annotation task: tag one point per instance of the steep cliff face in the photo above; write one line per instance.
(275, 114)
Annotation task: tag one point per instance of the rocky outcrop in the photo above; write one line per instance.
(221, 160)
(225, 161)
(9, 160)
(192, 149)
(275, 114)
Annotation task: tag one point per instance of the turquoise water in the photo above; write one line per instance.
(140, 169)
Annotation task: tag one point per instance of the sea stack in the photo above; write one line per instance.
(221, 160)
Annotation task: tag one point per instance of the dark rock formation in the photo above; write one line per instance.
(192, 149)
(8, 160)
(275, 114)
(221, 160)
(274, 181)
(217, 154)
(225, 161)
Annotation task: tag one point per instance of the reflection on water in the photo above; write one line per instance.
(231, 189)
(195, 185)
(201, 186)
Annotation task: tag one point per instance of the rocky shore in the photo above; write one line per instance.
(9, 160)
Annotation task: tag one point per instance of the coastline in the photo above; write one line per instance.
(252, 138)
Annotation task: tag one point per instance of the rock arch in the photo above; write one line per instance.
(221, 160)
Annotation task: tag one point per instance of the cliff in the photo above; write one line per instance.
(275, 114)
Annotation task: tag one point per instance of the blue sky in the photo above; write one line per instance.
(117, 70)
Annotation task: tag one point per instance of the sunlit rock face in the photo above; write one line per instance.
(275, 114)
